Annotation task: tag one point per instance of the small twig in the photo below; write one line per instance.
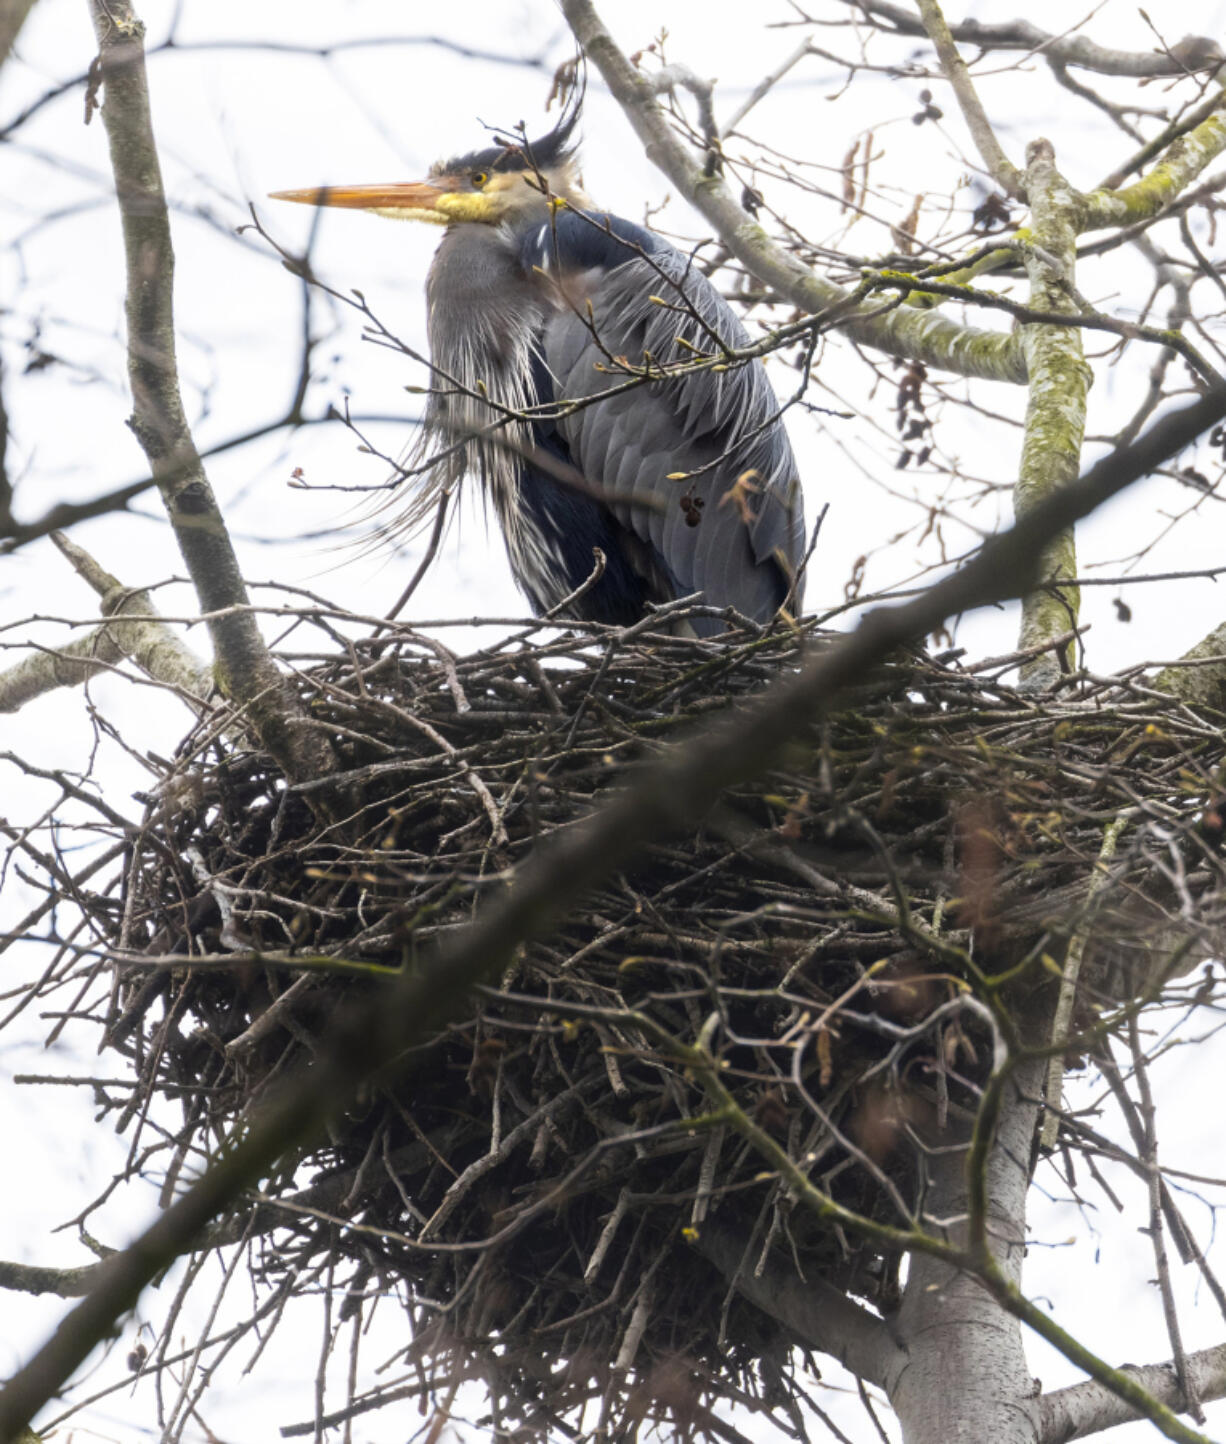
(1156, 1232)
(1063, 1018)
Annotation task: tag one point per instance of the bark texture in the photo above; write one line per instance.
(244, 669)
(13, 15)
(965, 1378)
(1202, 683)
(1056, 406)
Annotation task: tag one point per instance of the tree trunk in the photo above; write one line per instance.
(965, 1378)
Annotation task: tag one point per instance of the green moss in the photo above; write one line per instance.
(1056, 408)
(1183, 161)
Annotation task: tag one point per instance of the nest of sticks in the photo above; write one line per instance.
(532, 1189)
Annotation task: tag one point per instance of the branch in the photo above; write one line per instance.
(172, 45)
(1003, 171)
(1185, 158)
(1203, 686)
(669, 794)
(13, 15)
(1191, 52)
(1073, 958)
(246, 671)
(823, 1317)
(15, 534)
(923, 335)
(70, 1283)
(136, 632)
(1056, 404)
(261, 1218)
(1084, 1409)
(1190, 1399)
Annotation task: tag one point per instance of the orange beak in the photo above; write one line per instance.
(417, 200)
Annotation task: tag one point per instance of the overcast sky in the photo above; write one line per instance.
(236, 123)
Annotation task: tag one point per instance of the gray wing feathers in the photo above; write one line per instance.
(628, 444)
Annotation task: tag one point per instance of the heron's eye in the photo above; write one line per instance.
(478, 178)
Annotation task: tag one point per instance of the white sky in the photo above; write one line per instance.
(234, 125)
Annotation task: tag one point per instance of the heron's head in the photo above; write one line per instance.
(514, 180)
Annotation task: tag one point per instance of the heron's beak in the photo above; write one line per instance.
(407, 200)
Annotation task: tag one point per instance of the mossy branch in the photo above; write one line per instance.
(926, 337)
(1185, 158)
(1056, 405)
(1199, 677)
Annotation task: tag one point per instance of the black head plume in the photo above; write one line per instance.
(516, 152)
(559, 146)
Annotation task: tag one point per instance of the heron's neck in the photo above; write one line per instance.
(485, 315)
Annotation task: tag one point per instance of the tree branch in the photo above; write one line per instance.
(823, 1317)
(1185, 158)
(1199, 686)
(136, 632)
(246, 671)
(327, 1196)
(1001, 168)
(1056, 404)
(13, 14)
(1084, 1409)
(923, 335)
(1066, 49)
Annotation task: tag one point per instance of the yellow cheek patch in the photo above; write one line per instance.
(402, 213)
(466, 206)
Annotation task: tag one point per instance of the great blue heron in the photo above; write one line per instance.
(537, 301)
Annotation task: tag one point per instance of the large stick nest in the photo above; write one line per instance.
(530, 1186)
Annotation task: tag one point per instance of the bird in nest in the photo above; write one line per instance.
(594, 381)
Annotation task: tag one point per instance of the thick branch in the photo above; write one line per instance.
(924, 335)
(823, 1317)
(1056, 405)
(1085, 1409)
(1185, 158)
(1201, 686)
(246, 671)
(952, 1326)
(13, 15)
(668, 794)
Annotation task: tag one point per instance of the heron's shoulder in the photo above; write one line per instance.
(573, 239)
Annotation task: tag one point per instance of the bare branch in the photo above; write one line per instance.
(904, 332)
(822, 1316)
(246, 672)
(1082, 1410)
(137, 633)
(1066, 49)
(1001, 168)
